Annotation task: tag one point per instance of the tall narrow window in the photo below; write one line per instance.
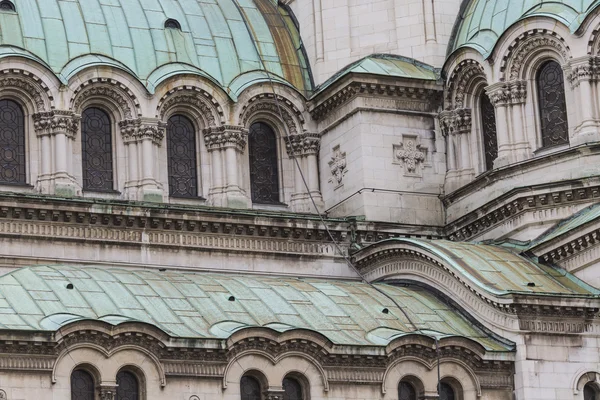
(264, 178)
(181, 152)
(250, 388)
(292, 389)
(96, 148)
(406, 391)
(446, 392)
(12, 143)
(589, 392)
(82, 386)
(488, 127)
(127, 386)
(552, 104)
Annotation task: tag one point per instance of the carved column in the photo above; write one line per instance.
(57, 130)
(107, 392)
(582, 74)
(499, 94)
(517, 97)
(456, 126)
(226, 145)
(305, 147)
(143, 137)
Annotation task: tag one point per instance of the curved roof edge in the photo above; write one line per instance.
(496, 270)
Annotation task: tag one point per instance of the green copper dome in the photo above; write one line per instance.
(481, 22)
(231, 42)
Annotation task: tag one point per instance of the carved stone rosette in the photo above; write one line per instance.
(135, 130)
(302, 144)
(49, 123)
(226, 136)
(457, 121)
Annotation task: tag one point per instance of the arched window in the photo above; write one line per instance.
(181, 152)
(292, 389)
(406, 391)
(127, 386)
(96, 149)
(82, 385)
(250, 388)
(6, 5)
(488, 128)
(172, 24)
(264, 177)
(446, 392)
(552, 105)
(590, 392)
(12, 143)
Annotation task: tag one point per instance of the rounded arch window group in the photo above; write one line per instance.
(83, 385)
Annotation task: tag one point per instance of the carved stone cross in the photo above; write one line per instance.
(411, 154)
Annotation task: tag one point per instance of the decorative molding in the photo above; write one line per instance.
(302, 144)
(524, 45)
(466, 73)
(221, 137)
(283, 108)
(454, 122)
(27, 362)
(586, 69)
(355, 375)
(31, 84)
(136, 130)
(410, 155)
(104, 89)
(337, 166)
(57, 121)
(192, 96)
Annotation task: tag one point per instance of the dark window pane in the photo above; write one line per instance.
(589, 393)
(82, 386)
(12, 143)
(406, 391)
(553, 109)
(446, 392)
(96, 148)
(488, 125)
(264, 178)
(292, 389)
(181, 152)
(249, 388)
(127, 388)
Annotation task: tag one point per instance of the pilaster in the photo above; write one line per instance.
(56, 131)
(226, 144)
(305, 148)
(500, 96)
(582, 74)
(456, 126)
(517, 92)
(142, 138)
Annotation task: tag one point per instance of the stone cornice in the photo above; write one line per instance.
(455, 122)
(136, 130)
(302, 144)
(226, 136)
(49, 123)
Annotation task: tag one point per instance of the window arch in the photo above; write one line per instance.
(488, 129)
(172, 24)
(6, 5)
(446, 392)
(250, 388)
(264, 174)
(82, 385)
(552, 104)
(181, 153)
(12, 143)
(590, 392)
(96, 150)
(292, 389)
(406, 391)
(127, 386)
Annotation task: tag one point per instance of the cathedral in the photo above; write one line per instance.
(300, 199)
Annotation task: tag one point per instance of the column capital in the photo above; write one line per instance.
(225, 136)
(455, 122)
(107, 392)
(517, 91)
(499, 94)
(274, 394)
(136, 130)
(56, 121)
(582, 69)
(302, 144)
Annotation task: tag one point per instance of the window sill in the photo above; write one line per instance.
(542, 151)
(270, 206)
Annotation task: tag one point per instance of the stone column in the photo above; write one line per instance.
(226, 145)
(143, 137)
(520, 142)
(456, 126)
(499, 94)
(582, 73)
(57, 130)
(305, 148)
